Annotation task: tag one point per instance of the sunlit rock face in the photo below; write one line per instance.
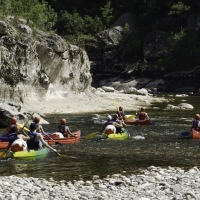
(39, 66)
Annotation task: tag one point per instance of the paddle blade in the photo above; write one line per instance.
(130, 117)
(115, 103)
(90, 136)
(22, 126)
(152, 123)
(62, 155)
(2, 154)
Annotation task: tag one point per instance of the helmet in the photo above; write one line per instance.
(36, 119)
(63, 121)
(109, 117)
(142, 109)
(13, 120)
(197, 116)
(120, 108)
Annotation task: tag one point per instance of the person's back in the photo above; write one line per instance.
(196, 122)
(33, 143)
(142, 115)
(64, 129)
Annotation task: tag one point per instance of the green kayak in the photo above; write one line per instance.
(31, 155)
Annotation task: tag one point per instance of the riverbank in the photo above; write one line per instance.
(152, 183)
(89, 103)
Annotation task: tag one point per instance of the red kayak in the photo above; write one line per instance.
(195, 134)
(136, 122)
(68, 140)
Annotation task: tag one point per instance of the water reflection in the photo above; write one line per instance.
(151, 145)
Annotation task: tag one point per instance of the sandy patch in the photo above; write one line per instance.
(89, 103)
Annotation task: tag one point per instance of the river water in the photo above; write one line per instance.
(148, 145)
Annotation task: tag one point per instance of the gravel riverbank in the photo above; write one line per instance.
(153, 183)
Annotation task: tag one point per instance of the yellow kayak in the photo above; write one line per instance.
(32, 154)
(117, 136)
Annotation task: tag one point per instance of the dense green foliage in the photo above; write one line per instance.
(78, 20)
(37, 13)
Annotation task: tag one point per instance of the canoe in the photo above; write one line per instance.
(30, 155)
(69, 140)
(117, 136)
(195, 134)
(3, 144)
(136, 122)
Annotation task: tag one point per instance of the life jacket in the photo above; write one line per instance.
(18, 145)
(195, 124)
(142, 115)
(62, 128)
(12, 137)
(110, 129)
(121, 114)
(118, 129)
(32, 143)
(109, 123)
(10, 127)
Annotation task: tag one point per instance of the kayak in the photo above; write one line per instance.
(117, 136)
(54, 140)
(136, 122)
(195, 134)
(68, 140)
(31, 155)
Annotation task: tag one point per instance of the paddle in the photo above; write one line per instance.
(130, 117)
(3, 154)
(91, 135)
(61, 155)
(53, 140)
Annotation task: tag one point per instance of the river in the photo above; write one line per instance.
(148, 145)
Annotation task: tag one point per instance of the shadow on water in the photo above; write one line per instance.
(148, 145)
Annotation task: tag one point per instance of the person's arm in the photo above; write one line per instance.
(41, 129)
(23, 137)
(118, 125)
(40, 138)
(68, 131)
(146, 115)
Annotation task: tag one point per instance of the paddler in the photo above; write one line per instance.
(142, 115)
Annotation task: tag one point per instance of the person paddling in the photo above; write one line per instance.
(39, 128)
(13, 123)
(121, 113)
(36, 139)
(64, 129)
(142, 115)
(109, 127)
(196, 122)
(17, 141)
(116, 119)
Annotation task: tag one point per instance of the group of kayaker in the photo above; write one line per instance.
(116, 122)
(19, 140)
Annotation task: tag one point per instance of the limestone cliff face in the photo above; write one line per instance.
(38, 65)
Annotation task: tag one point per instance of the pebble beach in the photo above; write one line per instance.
(153, 183)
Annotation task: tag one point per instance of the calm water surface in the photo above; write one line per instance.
(156, 145)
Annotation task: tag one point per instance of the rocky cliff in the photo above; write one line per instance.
(37, 65)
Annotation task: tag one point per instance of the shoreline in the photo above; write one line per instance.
(90, 103)
(151, 183)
